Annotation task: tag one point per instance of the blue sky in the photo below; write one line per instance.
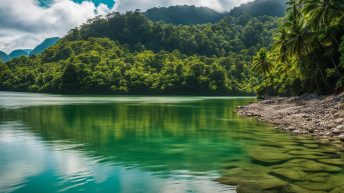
(26, 23)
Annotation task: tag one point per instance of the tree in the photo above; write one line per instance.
(262, 64)
(323, 12)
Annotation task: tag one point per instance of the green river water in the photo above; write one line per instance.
(57, 143)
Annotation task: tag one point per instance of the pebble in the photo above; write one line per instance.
(267, 102)
(305, 116)
(340, 127)
(336, 115)
(290, 128)
(341, 137)
(322, 118)
(339, 121)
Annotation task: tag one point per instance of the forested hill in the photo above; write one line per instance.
(129, 54)
(231, 34)
(28, 52)
(183, 14)
(261, 7)
(188, 15)
(44, 45)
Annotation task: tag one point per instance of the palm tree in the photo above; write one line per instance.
(280, 43)
(299, 40)
(296, 35)
(262, 64)
(323, 12)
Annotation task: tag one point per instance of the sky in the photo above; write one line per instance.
(26, 23)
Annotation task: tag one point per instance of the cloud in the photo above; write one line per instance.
(24, 23)
(219, 5)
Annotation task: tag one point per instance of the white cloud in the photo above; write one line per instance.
(24, 24)
(219, 5)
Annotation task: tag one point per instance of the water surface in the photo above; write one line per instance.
(52, 143)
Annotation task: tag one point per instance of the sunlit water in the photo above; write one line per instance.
(51, 143)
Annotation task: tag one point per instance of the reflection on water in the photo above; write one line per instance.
(153, 144)
(30, 165)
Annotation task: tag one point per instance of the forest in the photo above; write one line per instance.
(307, 53)
(130, 54)
(244, 53)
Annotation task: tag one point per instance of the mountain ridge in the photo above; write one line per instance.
(48, 42)
(190, 15)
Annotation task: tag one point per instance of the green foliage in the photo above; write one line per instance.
(129, 54)
(260, 8)
(228, 35)
(190, 15)
(183, 14)
(100, 65)
(4, 57)
(308, 49)
(44, 45)
(261, 63)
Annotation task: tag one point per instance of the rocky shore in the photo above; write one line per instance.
(320, 116)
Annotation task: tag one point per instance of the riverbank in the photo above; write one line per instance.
(320, 116)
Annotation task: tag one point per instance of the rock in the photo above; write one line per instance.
(304, 132)
(341, 137)
(340, 127)
(336, 131)
(339, 189)
(338, 161)
(336, 115)
(290, 128)
(331, 125)
(261, 185)
(266, 102)
(321, 182)
(289, 173)
(269, 155)
(296, 189)
(312, 166)
(339, 121)
(297, 132)
(305, 116)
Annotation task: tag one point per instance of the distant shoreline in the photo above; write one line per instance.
(131, 95)
(318, 116)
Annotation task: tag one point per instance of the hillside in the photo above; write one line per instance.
(19, 53)
(44, 45)
(135, 30)
(261, 7)
(4, 57)
(189, 15)
(186, 15)
(129, 54)
(28, 52)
